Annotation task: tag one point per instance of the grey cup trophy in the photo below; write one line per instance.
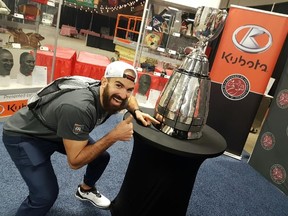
(182, 107)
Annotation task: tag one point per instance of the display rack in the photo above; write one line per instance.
(126, 35)
(166, 33)
(17, 23)
(21, 35)
(127, 30)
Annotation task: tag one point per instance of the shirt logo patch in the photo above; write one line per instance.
(78, 128)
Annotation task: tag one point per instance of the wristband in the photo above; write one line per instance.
(134, 112)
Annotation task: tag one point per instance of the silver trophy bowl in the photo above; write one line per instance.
(208, 24)
(182, 107)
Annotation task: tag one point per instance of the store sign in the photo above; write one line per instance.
(15, 97)
(8, 108)
(243, 65)
(249, 42)
(249, 47)
(9, 104)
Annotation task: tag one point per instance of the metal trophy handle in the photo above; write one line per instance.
(182, 107)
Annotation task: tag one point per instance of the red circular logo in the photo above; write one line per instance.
(2, 109)
(278, 174)
(235, 87)
(267, 141)
(282, 99)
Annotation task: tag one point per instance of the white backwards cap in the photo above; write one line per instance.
(118, 69)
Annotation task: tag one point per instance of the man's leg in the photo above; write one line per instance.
(40, 178)
(87, 190)
(95, 169)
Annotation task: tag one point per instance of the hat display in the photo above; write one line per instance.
(118, 69)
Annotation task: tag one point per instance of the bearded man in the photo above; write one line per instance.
(72, 116)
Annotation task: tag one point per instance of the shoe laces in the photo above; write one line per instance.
(96, 192)
(92, 190)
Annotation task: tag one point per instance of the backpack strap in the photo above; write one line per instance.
(41, 118)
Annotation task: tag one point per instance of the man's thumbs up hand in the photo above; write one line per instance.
(129, 119)
(124, 130)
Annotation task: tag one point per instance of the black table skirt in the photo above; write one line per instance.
(162, 171)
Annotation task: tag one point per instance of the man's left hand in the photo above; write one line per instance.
(145, 118)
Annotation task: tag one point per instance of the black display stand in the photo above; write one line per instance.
(162, 171)
(100, 42)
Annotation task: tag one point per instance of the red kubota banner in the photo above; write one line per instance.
(8, 108)
(248, 51)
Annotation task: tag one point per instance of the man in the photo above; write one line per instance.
(27, 64)
(73, 115)
(6, 65)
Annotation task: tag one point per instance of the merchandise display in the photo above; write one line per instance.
(6, 65)
(161, 47)
(3, 8)
(149, 87)
(20, 38)
(165, 33)
(90, 65)
(27, 40)
(65, 59)
(27, 65)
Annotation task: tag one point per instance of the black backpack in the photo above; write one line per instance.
(57, 88)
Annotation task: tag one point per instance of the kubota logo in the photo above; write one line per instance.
(252, 38)
(2, 109)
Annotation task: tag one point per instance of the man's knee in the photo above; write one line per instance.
(105, 156)
(46, 197)
(101, 161)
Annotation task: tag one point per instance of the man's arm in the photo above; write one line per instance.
(132, 104)
(134, 109)
(79, 153)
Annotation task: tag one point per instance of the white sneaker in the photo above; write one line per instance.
(93, 196)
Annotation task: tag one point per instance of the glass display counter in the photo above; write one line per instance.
(166, 34)
(165, 38)
(21, 37)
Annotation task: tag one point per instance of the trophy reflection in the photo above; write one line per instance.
(182, 107)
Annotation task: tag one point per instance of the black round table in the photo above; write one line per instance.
(162, 171)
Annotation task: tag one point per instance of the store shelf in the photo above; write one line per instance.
(161, 58)
(125, 43)
(165, 33)
(19, 25)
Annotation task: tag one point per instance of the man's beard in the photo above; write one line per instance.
(107, 102)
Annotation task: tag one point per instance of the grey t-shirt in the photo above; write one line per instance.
(72, 115)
